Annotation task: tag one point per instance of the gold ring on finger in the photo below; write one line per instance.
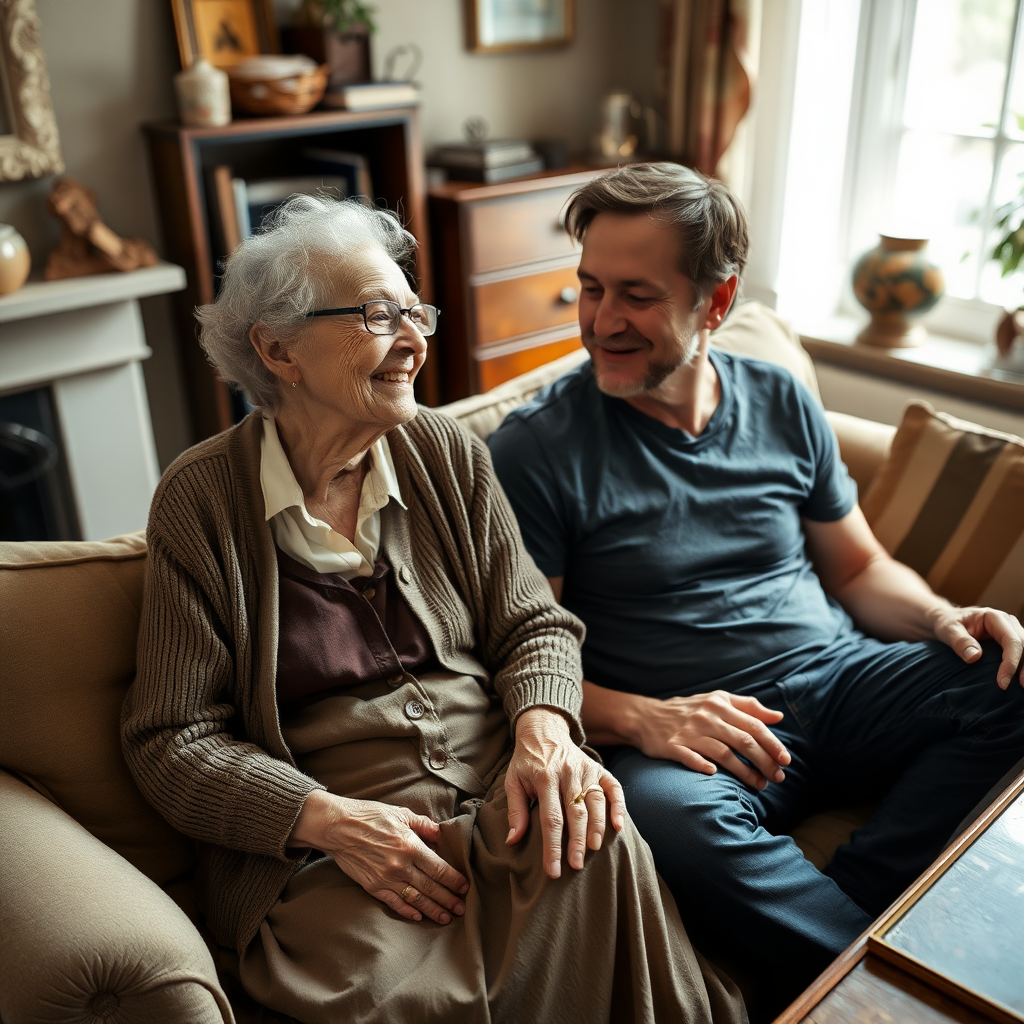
(405, 893)
(590, 789)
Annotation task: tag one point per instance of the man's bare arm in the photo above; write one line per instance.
(892, 602)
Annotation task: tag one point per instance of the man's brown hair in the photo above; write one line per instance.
(709, 218)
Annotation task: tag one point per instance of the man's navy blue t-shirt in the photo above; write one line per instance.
(684, 556)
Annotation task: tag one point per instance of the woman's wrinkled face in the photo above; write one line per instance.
(349, 373)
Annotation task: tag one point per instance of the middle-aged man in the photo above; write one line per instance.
(750, 645)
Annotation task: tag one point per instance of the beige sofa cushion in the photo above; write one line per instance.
(751, 329)
(67, 654)
(949, 502)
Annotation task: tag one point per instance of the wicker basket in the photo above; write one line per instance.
(292, 95)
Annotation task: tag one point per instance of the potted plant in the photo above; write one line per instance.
(336, 33)
(1009, 250)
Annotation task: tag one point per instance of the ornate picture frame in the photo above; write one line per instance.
(224, 31)
(29, 142)
(502, 26)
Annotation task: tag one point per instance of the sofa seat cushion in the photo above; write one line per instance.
(67, 650)
(949, 502)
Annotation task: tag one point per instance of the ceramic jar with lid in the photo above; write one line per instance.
(204, 98)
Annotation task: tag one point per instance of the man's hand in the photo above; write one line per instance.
(384, 848)
(890, 601)
(964, 628)
(548, 767)
(710, 729)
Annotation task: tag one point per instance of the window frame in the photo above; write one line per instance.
(881, 72)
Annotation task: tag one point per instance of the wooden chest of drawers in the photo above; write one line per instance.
(505, 278)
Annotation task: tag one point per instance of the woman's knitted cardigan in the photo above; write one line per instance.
(200, 725)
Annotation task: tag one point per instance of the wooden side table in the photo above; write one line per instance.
(506, 278)
(950, 949)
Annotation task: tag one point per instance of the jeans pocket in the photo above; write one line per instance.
(798, 693)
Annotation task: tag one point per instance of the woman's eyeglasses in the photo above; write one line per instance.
(382, 316)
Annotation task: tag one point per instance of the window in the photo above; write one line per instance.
(930, 97)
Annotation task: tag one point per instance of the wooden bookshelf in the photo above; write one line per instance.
(181, 159)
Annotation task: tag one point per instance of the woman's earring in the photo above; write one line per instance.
(295, 383)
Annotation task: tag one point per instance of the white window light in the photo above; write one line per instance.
(906, 120)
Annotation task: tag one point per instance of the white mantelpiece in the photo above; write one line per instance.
(83, 338)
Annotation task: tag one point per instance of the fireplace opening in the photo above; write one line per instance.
(36, 500)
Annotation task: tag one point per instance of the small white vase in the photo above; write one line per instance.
(204, 99)
(15, 260)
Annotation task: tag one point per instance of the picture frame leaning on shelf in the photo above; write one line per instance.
(223, 32)
(29, 142)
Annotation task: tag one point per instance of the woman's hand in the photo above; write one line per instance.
(548, 767)
(383, 848)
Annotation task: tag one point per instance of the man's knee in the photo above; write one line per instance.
(982, 707)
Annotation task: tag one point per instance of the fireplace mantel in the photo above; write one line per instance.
(83, 338)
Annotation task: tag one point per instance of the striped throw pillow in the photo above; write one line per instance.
(949, 502)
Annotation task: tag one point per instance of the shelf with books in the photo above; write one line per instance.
(210, 180)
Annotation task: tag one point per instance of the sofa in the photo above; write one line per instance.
(97, 914)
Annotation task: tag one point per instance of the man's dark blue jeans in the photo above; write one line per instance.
(908, 724)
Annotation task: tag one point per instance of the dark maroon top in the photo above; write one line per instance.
(336, 633)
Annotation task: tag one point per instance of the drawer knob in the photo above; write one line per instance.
(568, 295)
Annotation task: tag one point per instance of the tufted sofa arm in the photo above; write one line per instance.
(86, 936)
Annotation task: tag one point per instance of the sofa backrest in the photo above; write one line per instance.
(68, 626)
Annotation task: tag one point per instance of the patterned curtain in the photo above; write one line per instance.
(707, 63)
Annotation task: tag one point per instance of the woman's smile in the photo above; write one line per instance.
(393, 376)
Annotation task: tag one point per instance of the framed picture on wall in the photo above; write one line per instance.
(223, 31)
(493, 26)
(29, 144)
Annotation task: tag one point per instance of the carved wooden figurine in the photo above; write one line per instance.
(87, 245)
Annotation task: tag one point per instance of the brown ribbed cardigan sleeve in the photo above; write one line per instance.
(199, 668)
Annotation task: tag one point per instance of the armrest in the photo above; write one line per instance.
(86, 934)
(863, 445)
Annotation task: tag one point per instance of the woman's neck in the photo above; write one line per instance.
(326, 462)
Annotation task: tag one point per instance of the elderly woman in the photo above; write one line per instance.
(358, 694)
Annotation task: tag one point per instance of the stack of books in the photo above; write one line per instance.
(488, 160)
(372, 95)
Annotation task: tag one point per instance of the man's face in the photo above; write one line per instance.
(636, 308)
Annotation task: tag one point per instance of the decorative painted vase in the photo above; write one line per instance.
(204, 99)
(896, 283)
(15, 260)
